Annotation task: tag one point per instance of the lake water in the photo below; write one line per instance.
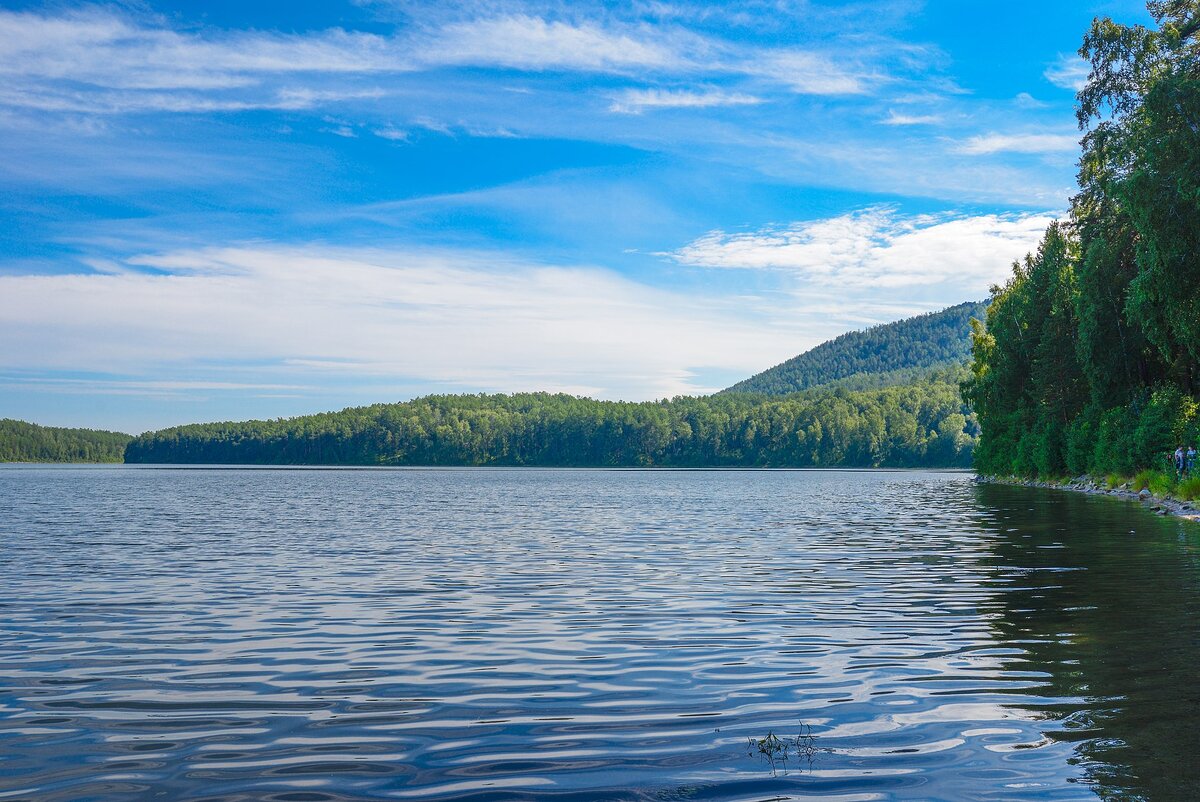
(307, 635)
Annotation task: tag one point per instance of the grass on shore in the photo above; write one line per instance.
(1164, 485)
(1161, 484)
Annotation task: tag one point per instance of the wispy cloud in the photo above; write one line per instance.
(877, 248)
(1068, 72)
(1019, 143)
(635, 101)
(895, 118)
(532, 43)
(1025, 100)
(100, 48)
(480, 321)
(392, 133)
(809, 73)
(97, 60)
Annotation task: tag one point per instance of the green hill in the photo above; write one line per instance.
(894, 353)
(28, 442)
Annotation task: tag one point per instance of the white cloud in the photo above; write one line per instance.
(473, 321)
(392, 133)
(635, 101)
(1025, 100)
(96, 60)
(99, 48)
(1019, 143)
(1069, 72)
(895, 118)
(806, 73)
(876, 248)
(532, 43)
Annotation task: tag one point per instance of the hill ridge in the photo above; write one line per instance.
(907, 349)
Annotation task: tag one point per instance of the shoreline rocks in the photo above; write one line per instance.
(1098, 487)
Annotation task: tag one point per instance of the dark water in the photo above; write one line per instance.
(455, 635)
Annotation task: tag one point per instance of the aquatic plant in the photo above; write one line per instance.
(776, 751)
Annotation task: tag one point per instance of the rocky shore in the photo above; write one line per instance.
(1098, 487)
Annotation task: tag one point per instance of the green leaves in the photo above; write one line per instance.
(1091, 360)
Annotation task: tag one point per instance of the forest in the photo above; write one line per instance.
(921, 424)
(1090, 358)
(28, 442)
(893, 353)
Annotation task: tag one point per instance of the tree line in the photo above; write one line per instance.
(28, 442)
(919, 425)
(1090, 359)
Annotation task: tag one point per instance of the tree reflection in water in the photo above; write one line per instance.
(1104, 598)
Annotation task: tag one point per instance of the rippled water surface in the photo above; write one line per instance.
(521, 634)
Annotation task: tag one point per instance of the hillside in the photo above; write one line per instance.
(28, 442)
(893, 353)
(918, 425)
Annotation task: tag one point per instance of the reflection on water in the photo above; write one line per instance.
(328, 635)
(1102, 597)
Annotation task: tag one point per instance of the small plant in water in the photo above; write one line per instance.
(776, 751)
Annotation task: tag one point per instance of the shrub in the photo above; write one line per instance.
(1113, 442)
(1081, 437)
(1189, 489)
(1161, 483)
(1114, 480)
(1163, 424)
(1142, 481)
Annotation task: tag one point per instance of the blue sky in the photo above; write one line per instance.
(227, 210)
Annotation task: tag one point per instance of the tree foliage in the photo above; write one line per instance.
(1090, 360)
(922, 424)
(28, 442)
(894, 353)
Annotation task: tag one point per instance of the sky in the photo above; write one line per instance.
(227, 210)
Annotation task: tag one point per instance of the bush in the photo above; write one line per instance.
(1113, 443)
(1114, 480)
(1161, 483)
(1189, 489)
(1142, 481)
(1163, 424)
(1081, 438)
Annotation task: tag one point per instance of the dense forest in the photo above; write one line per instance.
(922, 424)
(894, 353)
(1090, 361)
(28, 442)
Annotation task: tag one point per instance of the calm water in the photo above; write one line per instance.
(468, 635)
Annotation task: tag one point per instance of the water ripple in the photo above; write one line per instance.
(304, 636)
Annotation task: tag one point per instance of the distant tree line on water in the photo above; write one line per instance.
(28, 442)
(923, 424)
(1090, 360)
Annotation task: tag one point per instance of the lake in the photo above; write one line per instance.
(309, 635)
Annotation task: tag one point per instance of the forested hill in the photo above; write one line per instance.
(894, 353)
(919, 425)
(28, 442)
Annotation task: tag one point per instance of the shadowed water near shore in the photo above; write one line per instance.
(1103, 597)
(525, 634)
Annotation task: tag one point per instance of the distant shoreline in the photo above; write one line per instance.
(189, 466)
